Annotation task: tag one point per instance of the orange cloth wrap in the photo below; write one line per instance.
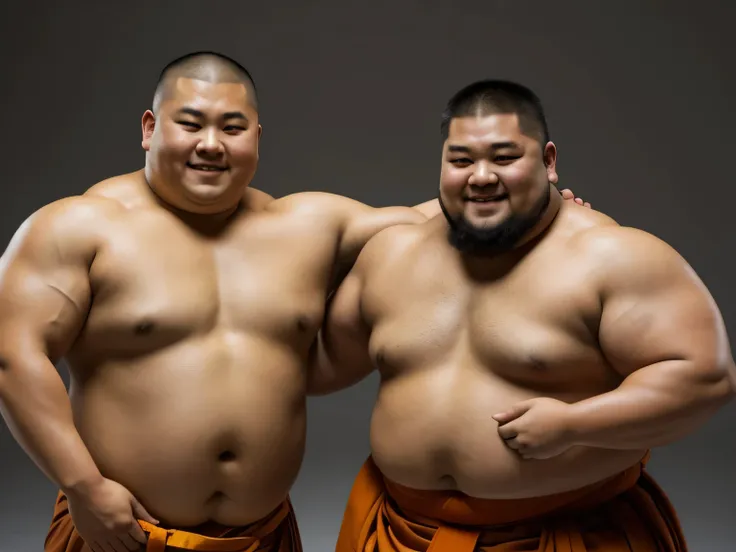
(277, 532)
(628, 512)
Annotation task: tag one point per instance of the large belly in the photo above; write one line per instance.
(433, 430)
(198, 434)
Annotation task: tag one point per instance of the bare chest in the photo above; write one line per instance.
(532, 325)
(158, 283)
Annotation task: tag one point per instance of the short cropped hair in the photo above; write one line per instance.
(490, 97)
(205, 65)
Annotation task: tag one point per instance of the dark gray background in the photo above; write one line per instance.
(638, 98)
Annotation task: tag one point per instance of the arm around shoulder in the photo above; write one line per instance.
(662, 331)
(363, 222)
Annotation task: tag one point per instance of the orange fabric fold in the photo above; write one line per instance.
(277, 532)
(626, 513)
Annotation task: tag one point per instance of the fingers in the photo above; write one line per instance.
(524, 451)
(121, 543)
(130, 543)
(118, 546)
(567, 194)
(141, 513)
(103, 547)
(512, 413)
(137, 533)
(507, 432)
(503, 417)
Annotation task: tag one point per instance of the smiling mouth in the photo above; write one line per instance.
(207, 168)
(493, 199)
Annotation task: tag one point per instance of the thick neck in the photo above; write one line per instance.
(205, 223)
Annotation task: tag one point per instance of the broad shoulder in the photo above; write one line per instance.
(69, 225)
(620, 255)
(127, 190)
(391, 244)
(323, 204)
(574, 219)
(74, 213)
(257, 200)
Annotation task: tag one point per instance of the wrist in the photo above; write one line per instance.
(576, 428)
(82, 487)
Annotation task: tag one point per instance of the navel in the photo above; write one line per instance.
(448, 482)
(226, 456)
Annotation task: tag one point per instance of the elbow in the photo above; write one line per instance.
(317, 387)
(727, 390)
(719, 385)
(5, 375)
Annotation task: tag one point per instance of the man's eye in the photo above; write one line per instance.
(188, 124)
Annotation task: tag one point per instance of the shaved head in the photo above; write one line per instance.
(205, 66)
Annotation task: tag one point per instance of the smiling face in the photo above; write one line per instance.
(202, 144)
(495, 181)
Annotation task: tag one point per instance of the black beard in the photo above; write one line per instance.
(503, 237)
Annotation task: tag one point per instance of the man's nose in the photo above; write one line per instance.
(483, 175)
(210, 143)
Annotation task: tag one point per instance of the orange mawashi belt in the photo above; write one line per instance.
(159, 538)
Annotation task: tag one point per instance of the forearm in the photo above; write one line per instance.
(36, 408)
(653, 407)
(429, 208)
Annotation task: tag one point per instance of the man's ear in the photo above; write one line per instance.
(550, 161)
(148, 125)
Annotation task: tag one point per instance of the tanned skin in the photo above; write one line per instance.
(186, 305)
(529, 371)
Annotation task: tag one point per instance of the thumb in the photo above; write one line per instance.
(512, 413)
(141, 513)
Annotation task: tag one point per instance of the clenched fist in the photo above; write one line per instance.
(537, 429)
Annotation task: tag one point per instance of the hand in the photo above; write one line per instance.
(537, 428)
(105, 516)
(567, 194)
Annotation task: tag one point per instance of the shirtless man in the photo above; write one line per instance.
(531, 352)
(186, 305)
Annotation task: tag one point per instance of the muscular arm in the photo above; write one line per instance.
(362, 222)
(341, 358)
(44, 297)
(660, 329)
(429, 208)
